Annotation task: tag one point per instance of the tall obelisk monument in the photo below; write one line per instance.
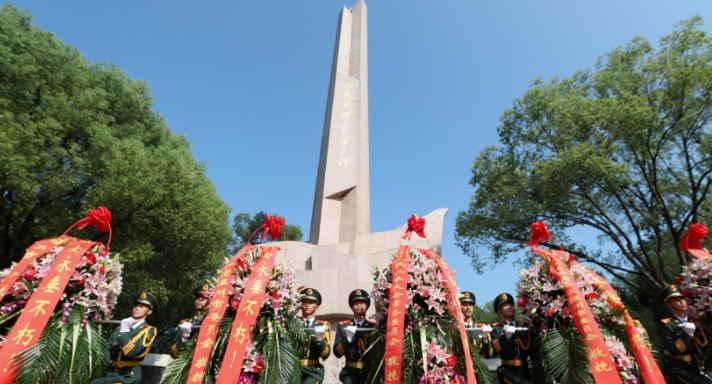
(341, 199)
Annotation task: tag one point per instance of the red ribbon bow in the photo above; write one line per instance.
(692, 239)
(273, 225)
(100, 218)
(416, 225)
(539, 233)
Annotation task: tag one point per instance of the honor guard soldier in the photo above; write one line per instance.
(685, 343)
(130, 342)
(467, 303)
(350, 342)
(185, 327)
(503, 340)
(317, 344)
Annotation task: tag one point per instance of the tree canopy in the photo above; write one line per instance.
(624, 149)
(245, 224)
(76, 135)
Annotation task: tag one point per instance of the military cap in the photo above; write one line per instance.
(311, 294)
(147, 299)
(668, 292)
(468, 297)
(501, 299)
(360, 294)
(203, 290)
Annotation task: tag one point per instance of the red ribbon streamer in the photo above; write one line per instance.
(648, 368)
(33, 320)
(456, 310)
(396, 316)
(602, 365)
(273, 225)
(35, 251)
(252, 298)
(693, 238)
(211, 325)
(416, 225)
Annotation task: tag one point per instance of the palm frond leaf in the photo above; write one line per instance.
(67, 352)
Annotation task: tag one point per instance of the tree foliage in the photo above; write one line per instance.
(75, 135)
(624, 149)
(244, 225)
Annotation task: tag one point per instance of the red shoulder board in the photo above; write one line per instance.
(321, 321)
(666, 320)
(148, 326)
(118, 327)
(345, 322)
(371, 322)
(500, 323)
(184, 320)
(480, 324)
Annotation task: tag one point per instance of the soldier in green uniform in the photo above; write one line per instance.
(503, 340)
(130, 342)
(185, 327)
(685, 343)
(351, 343)
(467, 303)
(317, 343)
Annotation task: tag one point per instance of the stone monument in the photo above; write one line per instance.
(342, 250)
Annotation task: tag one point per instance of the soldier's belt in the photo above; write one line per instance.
(308, 362)
(514, 363)
(122, 364)
(685, 358)
(355, 364)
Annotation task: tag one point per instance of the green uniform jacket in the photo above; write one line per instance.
(513, 352)
(127, 348)
(312, 370)
(681, 351)
(473, 336)
(352, 350)
(178, 340)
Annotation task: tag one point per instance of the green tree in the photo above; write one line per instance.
(624, 149)
(75, 135)
(244, 225)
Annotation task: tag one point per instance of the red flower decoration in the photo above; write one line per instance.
(416, 225)
(31, 274)
(677, 280)
(592, 295)
(450, 361)
(104, 252)
(274, 294)
(273, 225)
(81, 282)
(522, 302)
(458, 380)
(550, 312)
(539, 233)
(259, 366)
(102, 269)
(91, 259)
(235, 303)
(685, 292)
(100, 218)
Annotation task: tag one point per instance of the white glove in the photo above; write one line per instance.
(319, 330)
(509, 330)
(486, 329)
(351, 332)
(185, 328)
(126, 324)
(689, 327)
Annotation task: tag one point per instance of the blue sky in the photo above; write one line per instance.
(247, 81)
